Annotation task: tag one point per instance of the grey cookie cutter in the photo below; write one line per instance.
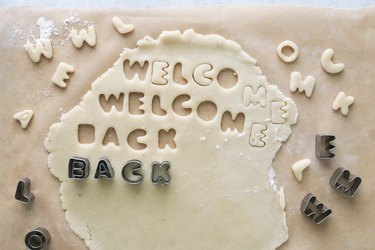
(37, 239)
(135, 167)
(104, 169)
(343, 180)
(160, 172)
(78, 168)
(314, 209)
(324, 147)
(23, 193)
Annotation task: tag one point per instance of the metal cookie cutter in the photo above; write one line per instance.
(324, 147)
(23, 193)
(37, 239)
(314, 209)
(160, 172)
(343, 180)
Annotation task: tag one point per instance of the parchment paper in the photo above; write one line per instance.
(351, 33)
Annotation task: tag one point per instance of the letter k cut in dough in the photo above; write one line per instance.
(206, 205)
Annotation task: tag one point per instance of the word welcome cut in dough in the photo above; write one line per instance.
(176, 90)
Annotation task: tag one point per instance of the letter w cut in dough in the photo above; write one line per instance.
(87, 36)
(117, 215)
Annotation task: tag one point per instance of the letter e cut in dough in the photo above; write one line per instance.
(146, 215)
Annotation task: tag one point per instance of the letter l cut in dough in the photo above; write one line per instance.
(211, 178)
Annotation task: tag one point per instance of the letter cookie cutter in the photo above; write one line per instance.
(135, 167)
(37, 239)
(79, 168)
(324, 147)
(314, 209)
(343, 180)
(104, 169)
(23, 193)
(163, 177)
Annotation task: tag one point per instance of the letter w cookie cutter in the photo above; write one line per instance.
(343, 180)
(314, 209)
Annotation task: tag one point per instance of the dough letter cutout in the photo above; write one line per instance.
(328, 65)
(292, 57)
(299, 166)
(61, 74)
(83, 36)
(254, 98)
(203, 74)
(122, 27)
(342, 102)
(306, 85)
(41, 47)
(24, 117)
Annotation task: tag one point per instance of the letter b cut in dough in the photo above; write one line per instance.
(210, 178)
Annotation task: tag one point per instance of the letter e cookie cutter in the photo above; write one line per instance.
(324, 149)
(314, 209)
(343, 180)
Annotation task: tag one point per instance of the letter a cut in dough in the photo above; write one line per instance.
(24, 117)
(117, 215)
(87, 36)
(61, 74)
(122, 27)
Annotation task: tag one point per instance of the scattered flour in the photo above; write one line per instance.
(46, 28)
(271, 178)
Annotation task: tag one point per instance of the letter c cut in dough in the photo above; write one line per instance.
(216, 183)
(292, 57)
(328, 65)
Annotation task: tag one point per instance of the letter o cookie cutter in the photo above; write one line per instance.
(37, 239)
(292, 57)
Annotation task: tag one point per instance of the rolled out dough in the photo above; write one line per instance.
(220, 196)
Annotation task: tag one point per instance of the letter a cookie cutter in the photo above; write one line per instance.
(314, 209)
(324, 149)
(343, 180)
(23, 193)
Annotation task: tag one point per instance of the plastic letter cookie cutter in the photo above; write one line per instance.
(23, 193)
(324, 147)
(343, 180)
(79, 168)
(160, 172)
(134, 167)
(314, 209)
(37, 239)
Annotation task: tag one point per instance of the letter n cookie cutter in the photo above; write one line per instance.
(157, 176)
(343, 180)
(37, 239)
(314, 209)
(23, 193)
(324, 147)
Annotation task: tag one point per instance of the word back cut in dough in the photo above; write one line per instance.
(140, 110)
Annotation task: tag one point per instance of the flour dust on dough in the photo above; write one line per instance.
(191, 87)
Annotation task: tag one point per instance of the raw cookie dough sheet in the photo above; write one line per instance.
(351, 33)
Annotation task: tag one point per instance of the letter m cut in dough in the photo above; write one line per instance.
(208, 179)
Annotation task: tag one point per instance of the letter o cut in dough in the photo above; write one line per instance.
(208, 204)
(292, 57)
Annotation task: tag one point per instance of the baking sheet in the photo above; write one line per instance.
(351, 33)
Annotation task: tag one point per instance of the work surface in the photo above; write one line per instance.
(351, 33)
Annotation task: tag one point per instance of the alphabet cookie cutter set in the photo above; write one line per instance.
(341, 180)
